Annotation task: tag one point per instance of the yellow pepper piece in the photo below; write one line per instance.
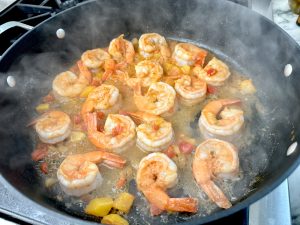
(42, 107)
(87, 91)
(114, 219)
(99, 206)
(186, 69)
(124, 202)
(77, 136)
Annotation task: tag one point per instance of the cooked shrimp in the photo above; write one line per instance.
(215, 73)
(153, 133)
(149, 72)
(186, 54)
(79, 174)
(94, 58)
(67, 84)
(151, 44)
(159, 99)
(219, 120)
(191, 90)
(105, 98)
(53, 127)
(121, 49)
(156, 173)
(117, 135)
(213, 158)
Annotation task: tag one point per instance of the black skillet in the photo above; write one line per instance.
(246, 40)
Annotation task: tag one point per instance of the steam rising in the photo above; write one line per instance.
(250, 46)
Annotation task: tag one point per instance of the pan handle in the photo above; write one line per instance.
(12, 24)
(4, 27)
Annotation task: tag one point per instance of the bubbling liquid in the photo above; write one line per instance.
(253, 158)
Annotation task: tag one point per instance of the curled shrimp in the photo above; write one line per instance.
(94, 58)
(149, 72)
(153, 43)
(105, 98)
(53, 127)
(153, 132)
(156, 173)
(78, 174)
(186, 54)
(219, 118)
(68, 84)
(159, 99)
(191, 90)
(214, 158)
(215, 73)
(121, 49)
(117, 135)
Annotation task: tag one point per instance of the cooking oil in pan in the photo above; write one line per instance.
(253, 158)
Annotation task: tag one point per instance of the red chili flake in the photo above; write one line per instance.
(155, 127)
(121, 182)
(44, 167)
(77, 119)
(40, 152)
(116, 130)
(154, 210)
(211, 71)
(186, 147)
(211, 89)
(48, 98)
(170, 152)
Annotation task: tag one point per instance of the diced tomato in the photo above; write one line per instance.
(186, 147)
(211, 72)
(96, 81)
(48, 98)
(155, 211)
(170, 152)
(100, 115)
(77, 119)
(39, 153)
(211, 89)
(44, 167)
(201, 58)
(121, 182)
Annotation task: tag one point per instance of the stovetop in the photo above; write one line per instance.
(272, 209)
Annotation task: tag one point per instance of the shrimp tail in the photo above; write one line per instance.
(183, 205)
(142, 117)
(226, 102)
(216, 195)
(113, 160)
(158, 197)
(93, 134)
(84, 71)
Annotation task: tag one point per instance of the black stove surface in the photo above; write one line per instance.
(33, 12)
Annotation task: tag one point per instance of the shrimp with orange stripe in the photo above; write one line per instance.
(79, 174)
(117, 134)
(215, 158)
(153, 132)
(156, 173)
